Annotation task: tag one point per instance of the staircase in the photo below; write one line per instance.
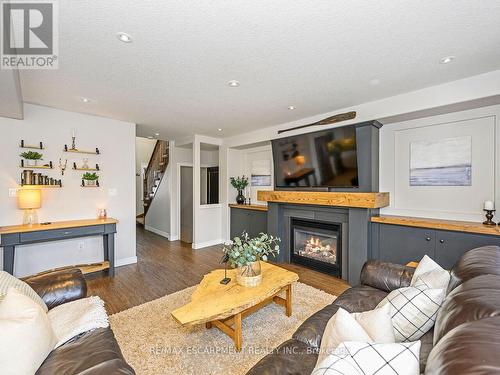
(154, 172)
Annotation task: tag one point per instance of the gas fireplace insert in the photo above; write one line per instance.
(317, 245)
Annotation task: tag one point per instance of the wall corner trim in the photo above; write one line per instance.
(125, 261)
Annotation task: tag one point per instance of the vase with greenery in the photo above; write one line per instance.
(32, 158)
(245, 254)
(239, 183)
(90, 179)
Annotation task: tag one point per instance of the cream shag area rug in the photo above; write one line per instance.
(153, 343)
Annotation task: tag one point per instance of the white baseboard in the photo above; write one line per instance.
(157, 231)
(201, 245)
(125, 261)
(173, 238)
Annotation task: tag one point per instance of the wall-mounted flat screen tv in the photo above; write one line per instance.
(323, 159)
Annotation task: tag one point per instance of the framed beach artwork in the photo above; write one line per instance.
(261, 173)
(443, 162)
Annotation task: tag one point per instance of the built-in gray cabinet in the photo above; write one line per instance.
(402, 244)
(249, 220)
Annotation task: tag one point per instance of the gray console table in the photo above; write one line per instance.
(15, 235)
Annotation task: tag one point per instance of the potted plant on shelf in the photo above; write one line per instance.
(90, 179)
(245, 254)
(32, 158)
(239, 183)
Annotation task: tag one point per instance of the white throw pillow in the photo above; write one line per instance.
(353, 358)
(431, 274)
(368, 326)
(413, 310)
(26, 336)
(8, 281)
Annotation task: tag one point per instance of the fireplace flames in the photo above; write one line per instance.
(314, 248)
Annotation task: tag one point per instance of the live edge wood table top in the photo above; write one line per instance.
(224, 306)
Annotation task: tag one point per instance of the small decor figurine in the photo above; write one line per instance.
(62, 166)
(90, 179)
(239, 183)
(73, 140)
(489, 208)
(32, 158)
(226, 280)
(85, 164)
(245, 253)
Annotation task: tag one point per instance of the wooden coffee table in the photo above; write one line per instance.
(224, 306)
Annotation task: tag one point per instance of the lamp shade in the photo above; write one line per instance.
(29, 199)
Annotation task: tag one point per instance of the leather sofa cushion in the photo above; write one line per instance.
(476, 262)
(471, 348)
(92, 353)
(58, 287)
(386, 276)
(357, 299)
(475, 299)
(290, 358)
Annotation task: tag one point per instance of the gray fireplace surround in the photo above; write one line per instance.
(355, 231)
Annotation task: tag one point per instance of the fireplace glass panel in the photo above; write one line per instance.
(315, 245)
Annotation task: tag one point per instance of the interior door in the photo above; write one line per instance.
(187, 204)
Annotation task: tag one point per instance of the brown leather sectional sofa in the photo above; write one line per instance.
(92, 353)
(467, 330)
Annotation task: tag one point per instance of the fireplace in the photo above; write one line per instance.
(317, 245)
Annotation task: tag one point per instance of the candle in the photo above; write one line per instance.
(73, 133)
(489, 205)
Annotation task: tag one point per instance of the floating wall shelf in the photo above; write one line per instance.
(39, 147)
(75, 168)
(77, 151)
(41, 186)
(49, 166)
(36, 167)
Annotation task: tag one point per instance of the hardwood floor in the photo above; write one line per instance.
(166, 267)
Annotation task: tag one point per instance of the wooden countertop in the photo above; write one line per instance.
(323, 198)
(452, 225)
(254, 207)
(56, 225)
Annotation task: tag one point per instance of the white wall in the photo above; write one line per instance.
(158, 216)
(116, 141)
(444, 202)
(143, 149)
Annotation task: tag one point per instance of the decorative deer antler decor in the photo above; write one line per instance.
(62, 166)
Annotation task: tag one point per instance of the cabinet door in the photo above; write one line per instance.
(451, 245)
(401, 245)
(258, 223)
(240, 222)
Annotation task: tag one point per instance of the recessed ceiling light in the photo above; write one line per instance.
(233, 83)
(157, 134)
(447, 59)
(150, 136)
(291, 107)
(85, 100)
(219, 129)
(124, 37)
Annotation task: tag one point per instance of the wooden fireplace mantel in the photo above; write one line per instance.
(339, 199)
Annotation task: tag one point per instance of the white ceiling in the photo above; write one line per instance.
(316, 55)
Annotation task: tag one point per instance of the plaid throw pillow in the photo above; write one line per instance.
(413, 310)
(353, 358)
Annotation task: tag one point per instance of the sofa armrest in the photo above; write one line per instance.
(386, 276)
(58, 287)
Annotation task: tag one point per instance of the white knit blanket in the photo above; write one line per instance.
(73, 318)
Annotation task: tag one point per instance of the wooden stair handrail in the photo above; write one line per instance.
(158, 163)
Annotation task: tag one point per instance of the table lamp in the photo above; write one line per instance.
(29, 200)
